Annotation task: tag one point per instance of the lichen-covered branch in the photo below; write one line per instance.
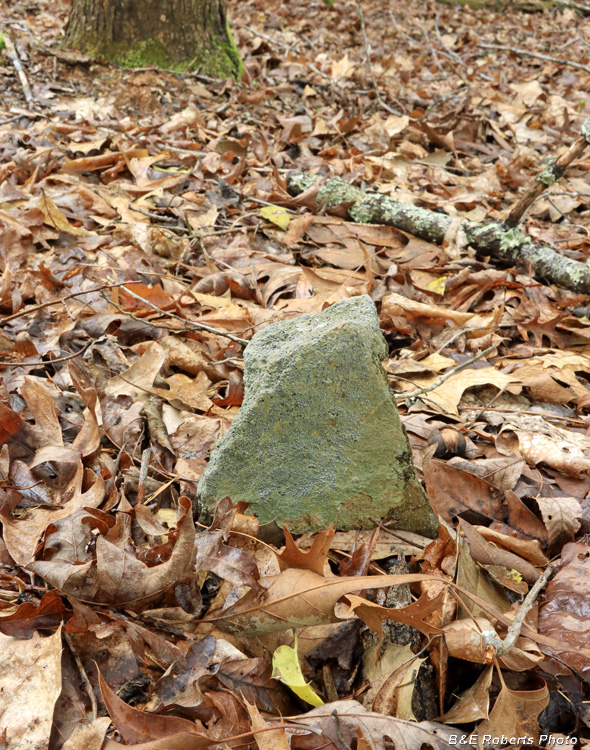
(506, 245)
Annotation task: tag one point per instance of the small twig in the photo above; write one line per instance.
(40, 362)
(269, 39)
(11, 119)
(453, 338)
(523, 610)
(18, 66)
(143, 472)
(439, 381)
(157, 217)
(83, 674)
(433, 52)
(41, 306)
(544, 415)
(538, 55)
(452, 54)
(189, 324)
(370, 65)
(550, 174)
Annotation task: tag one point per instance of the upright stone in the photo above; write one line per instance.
(318, 439)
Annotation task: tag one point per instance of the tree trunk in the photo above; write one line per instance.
(177, 34)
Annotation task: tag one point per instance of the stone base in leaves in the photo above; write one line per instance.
(318, 439)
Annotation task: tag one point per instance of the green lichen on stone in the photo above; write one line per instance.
(586, 129)
(547, 176)
(318, 439)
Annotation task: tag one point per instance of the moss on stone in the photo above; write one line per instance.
(318, 439)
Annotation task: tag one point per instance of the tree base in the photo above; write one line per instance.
(186, 36)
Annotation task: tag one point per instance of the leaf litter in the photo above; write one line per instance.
(145, 236)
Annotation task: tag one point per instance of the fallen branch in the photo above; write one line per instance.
(45, 363)
(514, 629)
(191, 325)
(537, 55)
(18, 66)
(59, 300)
(584, 9)
(503, 243)
(404, 395)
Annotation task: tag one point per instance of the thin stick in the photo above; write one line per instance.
(190, 324)
(538, 55)
(40, 362)
(41, 306)
(453, 371)
(369, 64)
(83, 675)
(11, 119)
(545, 415)
(452, 54)
(270, 39)
(18, 66)
(523, 610)
(158, 217)
(143, 472)
(551, 173)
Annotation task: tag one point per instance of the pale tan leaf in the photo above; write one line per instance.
(30, 684)
(474, 703)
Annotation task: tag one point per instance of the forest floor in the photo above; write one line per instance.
(136, 206)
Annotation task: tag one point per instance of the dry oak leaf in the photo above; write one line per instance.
(297, 599)
(396, 305)
(486, 553)
(47, 428)
(529, 549)
(145, 729)
(473, 703)
(117, 577)
(46, 614)
(448, 395)
(88, 736)
(275, 740)
(562, 517)
(340, 721)
(538, 441)
(515, 714)
(22, 534)
(564, 611)
(55, 217)
(414, 614)
(313, 559)
(452, 491)
(30, 684)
